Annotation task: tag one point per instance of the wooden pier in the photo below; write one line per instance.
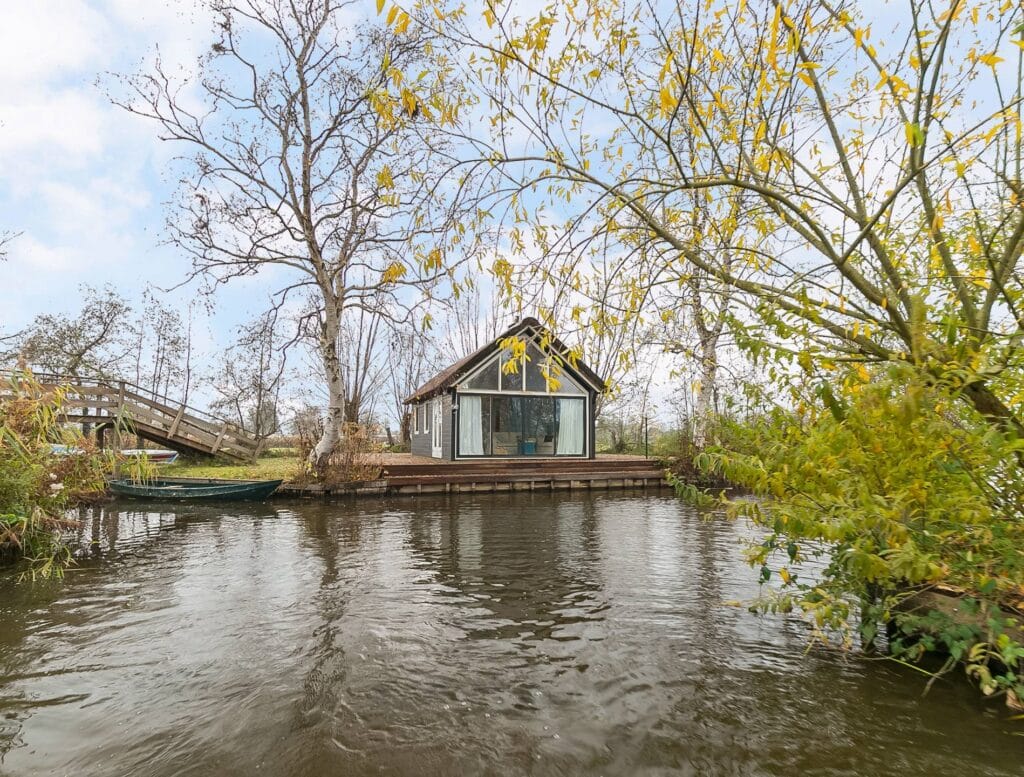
(419, 476)
(115, 405)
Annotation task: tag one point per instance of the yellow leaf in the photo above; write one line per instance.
(392, 273)
(434, 260)
(409, 102)
(991, 60)
(668, 101)
(380, 6)
(392, 14)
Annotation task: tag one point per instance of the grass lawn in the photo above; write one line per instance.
(267, 468)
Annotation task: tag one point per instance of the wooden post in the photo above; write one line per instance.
(177, 420)
(220, 437)
(117, 429)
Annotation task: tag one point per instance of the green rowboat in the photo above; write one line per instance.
(185, 489)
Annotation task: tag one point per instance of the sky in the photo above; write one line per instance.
(81, 180)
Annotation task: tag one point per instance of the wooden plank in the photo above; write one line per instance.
(177, 422)
(520, 477)
(220, 438)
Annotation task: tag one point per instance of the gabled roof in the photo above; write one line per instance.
(449, 377)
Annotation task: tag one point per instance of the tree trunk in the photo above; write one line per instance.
(352, 409)
(329, 330)
(704, 407)
(406, 428)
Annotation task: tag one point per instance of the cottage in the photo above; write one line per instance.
(542, 405)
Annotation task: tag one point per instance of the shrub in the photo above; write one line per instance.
(898, 490)
(37, 484)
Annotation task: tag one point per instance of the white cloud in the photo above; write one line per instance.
(80, 178)
(29, 257)
(47, 39)
(61, 124)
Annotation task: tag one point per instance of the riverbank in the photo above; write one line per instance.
(276, 467)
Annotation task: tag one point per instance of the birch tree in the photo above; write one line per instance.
(313, 156)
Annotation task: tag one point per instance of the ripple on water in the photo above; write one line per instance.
(504, 634)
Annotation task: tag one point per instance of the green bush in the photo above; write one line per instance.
(37, 485)
(899, 490)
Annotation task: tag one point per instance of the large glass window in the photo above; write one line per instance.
(535, 366)
(529, 374)
(486, 379)
(507, 426)
(511, 381)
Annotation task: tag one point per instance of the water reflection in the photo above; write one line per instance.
(495, 634)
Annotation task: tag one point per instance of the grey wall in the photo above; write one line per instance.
(447, 428)
(592, 420)
(421, 444)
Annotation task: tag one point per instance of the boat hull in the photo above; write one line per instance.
(231, 491)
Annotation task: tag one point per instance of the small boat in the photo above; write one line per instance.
(185, 489)
(65, 450)
(157, 456)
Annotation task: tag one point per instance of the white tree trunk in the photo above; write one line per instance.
(704, 408)
(329, 332)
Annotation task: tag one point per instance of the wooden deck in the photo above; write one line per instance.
(414, 475)
(164, 421)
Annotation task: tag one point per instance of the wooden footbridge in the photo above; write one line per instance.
(122, 406)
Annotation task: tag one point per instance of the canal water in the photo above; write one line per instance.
(489, 635)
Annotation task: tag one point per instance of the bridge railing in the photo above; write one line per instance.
(99, 398)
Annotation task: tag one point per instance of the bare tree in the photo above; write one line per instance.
(362, 371)
(408, 367)
(162, 348)
(471, 320)
(96, 341)
(5, 241)
(316, 155)
(250, 375)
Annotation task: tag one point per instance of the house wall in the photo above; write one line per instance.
(592, 411)
(421, 443)
(447, 428)
(420, 439)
